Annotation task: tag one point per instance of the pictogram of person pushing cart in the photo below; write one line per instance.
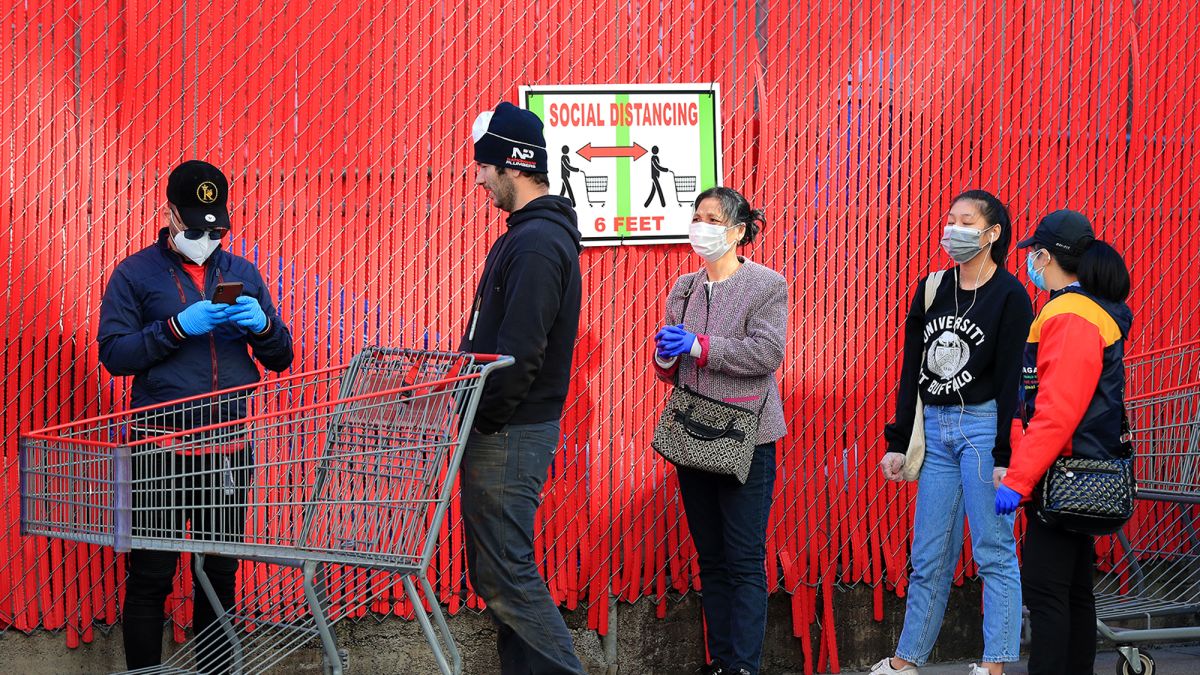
(567, 170)
(656, 168)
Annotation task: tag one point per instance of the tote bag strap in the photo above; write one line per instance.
(931, 287)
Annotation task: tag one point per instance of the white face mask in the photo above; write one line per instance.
(196, 250)
(708, 240)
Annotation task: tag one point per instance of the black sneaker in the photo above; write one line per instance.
(710, 669)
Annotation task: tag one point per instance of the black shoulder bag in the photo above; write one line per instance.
(1090, 496)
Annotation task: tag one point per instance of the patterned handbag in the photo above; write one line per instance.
(1089, 496)
(699, 432)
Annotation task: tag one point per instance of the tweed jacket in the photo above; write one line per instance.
(740, 325)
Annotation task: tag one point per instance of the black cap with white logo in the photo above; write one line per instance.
(1063, 231)
(199, 191)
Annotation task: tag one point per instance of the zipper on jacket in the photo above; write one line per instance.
(179, 285)
(212, 340)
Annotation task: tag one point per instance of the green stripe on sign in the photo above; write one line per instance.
(537, 105)
(623, 168)
(708, 147)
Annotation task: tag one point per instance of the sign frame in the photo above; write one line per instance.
(525, 93)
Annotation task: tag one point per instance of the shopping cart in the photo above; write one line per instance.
(347, 491)
(1155, 577)
(595, 185)
(1161, 369)
(684, 184)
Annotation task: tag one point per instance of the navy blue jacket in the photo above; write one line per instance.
(527, 307)
(151, 286)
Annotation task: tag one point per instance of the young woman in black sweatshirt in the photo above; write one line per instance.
(962, 361)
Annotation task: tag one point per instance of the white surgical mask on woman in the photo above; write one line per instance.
(709, 241)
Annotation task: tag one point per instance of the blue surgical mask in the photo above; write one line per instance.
(1035, 275)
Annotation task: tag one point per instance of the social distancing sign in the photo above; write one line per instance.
(631, 158)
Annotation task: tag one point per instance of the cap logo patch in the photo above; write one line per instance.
(206, 192)
(522, 154)
(210, 218)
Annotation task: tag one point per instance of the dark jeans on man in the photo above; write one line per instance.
(1057, 574)
(502, 478)
(172, 493)
(728, 523)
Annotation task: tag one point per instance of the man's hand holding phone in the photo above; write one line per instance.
(247, 313)
(201, 317)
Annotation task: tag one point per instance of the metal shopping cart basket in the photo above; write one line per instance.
(684, 184)
(342, 487)
(1154, 576)
(595, 185)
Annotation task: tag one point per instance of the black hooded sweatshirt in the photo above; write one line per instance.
(527, 306)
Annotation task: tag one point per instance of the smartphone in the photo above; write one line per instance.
(227, 293)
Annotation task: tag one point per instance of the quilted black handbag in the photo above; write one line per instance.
(1090, 496)
(699, 432)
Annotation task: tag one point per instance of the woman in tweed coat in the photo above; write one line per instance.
(729, 346)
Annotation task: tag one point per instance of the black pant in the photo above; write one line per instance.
(728, 522)
(169, 492)
(1057, 574)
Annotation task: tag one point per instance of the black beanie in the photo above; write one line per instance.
(511, 138)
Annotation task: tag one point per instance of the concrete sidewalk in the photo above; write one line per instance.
(1170, 660)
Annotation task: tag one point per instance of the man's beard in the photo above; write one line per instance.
(506, 194)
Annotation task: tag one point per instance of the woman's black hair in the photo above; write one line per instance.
(995, 213)
(736, 210)
(1100, 268)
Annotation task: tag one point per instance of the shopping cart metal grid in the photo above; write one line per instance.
(1156, 572)
(333, 483)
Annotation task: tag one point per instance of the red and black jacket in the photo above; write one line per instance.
(1073, 393)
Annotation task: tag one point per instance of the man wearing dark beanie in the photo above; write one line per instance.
(526, 306)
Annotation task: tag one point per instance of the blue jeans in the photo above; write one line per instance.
(728, 523)
(957, 477)
(502, 477)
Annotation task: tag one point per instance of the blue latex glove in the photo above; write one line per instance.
(247, 313)
(1007, 500)
(674, 341)
(658, 342)
(201, 317)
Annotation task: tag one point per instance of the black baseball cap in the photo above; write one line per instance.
(1064, 231)
(199, 191)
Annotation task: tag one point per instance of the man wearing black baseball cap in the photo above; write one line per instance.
(526, 306)
(158, 324)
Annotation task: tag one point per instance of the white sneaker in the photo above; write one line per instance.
(884, 667)
(978, 670)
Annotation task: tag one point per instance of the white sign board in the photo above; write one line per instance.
(632, 157)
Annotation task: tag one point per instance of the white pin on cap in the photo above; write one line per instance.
(210, 218)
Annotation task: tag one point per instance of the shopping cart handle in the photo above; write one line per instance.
(492, 358)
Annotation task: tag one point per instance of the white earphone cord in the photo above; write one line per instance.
(962, 404)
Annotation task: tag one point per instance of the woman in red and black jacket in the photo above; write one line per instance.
(1073, 402)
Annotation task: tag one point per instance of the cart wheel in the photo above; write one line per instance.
(344, 657)
(1146, 664)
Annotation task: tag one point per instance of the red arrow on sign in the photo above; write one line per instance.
(588, 152)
